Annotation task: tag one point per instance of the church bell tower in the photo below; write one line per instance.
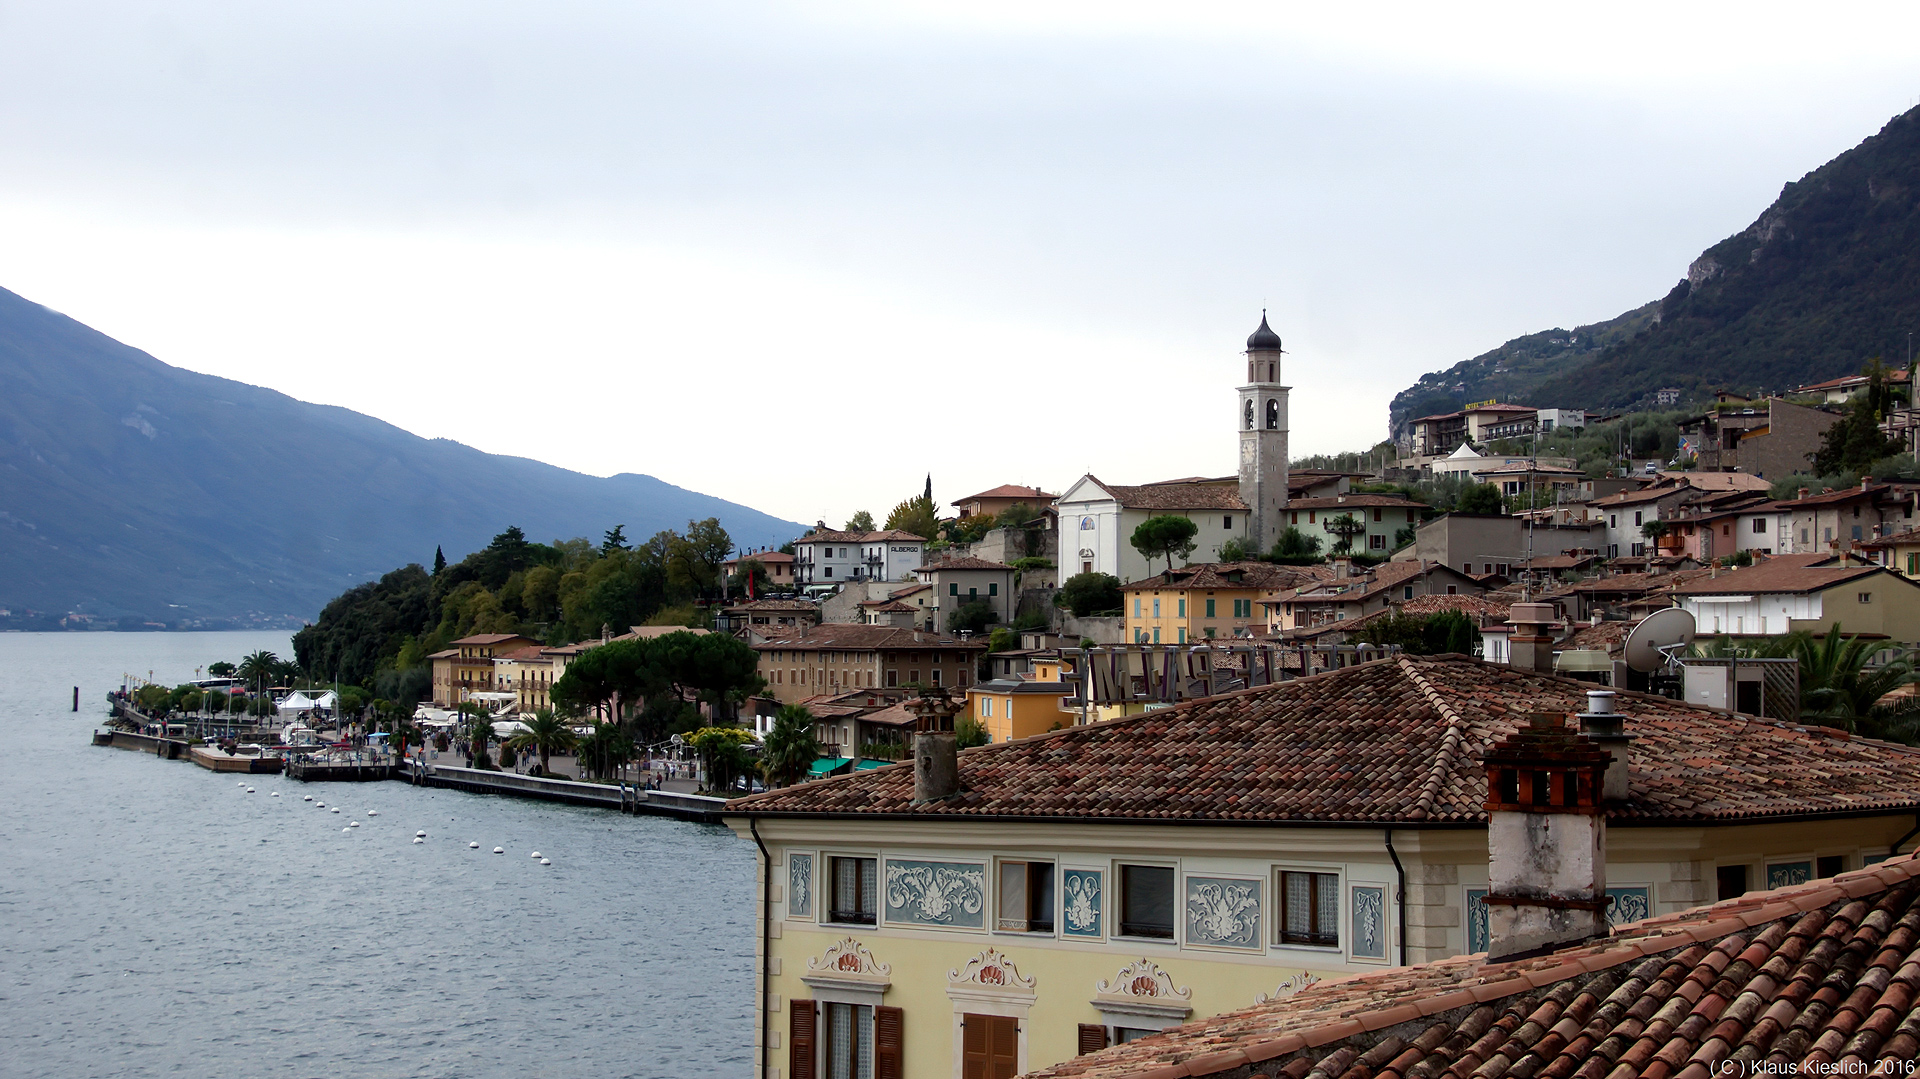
(1263, 440)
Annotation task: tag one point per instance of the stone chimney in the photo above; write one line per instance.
(1342, 568)
(1804, 492)
(1546, 840)
(936, 757)
(1607, 729)
(1531, 643)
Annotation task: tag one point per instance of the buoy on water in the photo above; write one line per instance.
(546, 861)
(373, 812)
(417, 839)
(354, 824)
(499, 850)
(346, 829)
(275, 794)
(536, 855)
(473, 846)
(335, 809)
(249, 790)
(306, 797)
(421, 834)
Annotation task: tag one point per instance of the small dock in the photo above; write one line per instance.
(326, 771)
(626, 798)
(172, 749)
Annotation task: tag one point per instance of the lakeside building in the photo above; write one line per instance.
(467, 666)
(836, 657)
(778, 564)
(958, 582)
(1002, 498)
(1784, 594)
(1014, 706)
(1102, 883)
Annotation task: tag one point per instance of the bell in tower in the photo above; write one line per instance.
(1263, 439)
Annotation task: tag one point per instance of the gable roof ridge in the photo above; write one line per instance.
(1442, 765)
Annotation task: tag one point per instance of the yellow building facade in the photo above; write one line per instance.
(1105, 882)
(1012, 708)
(1207, 601)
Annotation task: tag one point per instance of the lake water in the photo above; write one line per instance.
(155, 920)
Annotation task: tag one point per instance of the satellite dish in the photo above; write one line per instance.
(1647, 644)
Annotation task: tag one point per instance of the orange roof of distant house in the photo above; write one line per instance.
(1009, 490)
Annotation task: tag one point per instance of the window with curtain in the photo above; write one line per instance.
(1309, 908)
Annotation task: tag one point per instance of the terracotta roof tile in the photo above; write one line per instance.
(848, 637)
(1392, 741)
(1798, 975)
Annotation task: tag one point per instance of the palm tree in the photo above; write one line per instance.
(258, 668)
(791, 746)
(479, 732)
(546, 734)
(1837, 687)
(605, 749)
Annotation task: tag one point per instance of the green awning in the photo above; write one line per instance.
(827, 766)
(868, 762)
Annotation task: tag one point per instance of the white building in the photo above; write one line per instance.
(830, 557)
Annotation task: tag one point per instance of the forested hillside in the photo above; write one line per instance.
(1823, 280)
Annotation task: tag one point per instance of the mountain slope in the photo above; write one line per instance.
(1826, 278)
(132, 488)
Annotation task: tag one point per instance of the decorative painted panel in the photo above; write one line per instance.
(950, 894)
(799, 885)
(1369, 922)
(1784, 874)
(1081, 904)
(1477, 932)
(1223, 913)
(1629, 905)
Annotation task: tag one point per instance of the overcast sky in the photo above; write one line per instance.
(800, 255)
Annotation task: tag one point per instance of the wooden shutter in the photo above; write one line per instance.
(1004, 1058)
(1093, 1038)
(975, 1044)
(800, 1040)
(888, 1058)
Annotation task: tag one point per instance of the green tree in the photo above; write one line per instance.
(257, 668)
(1448, 631)
(220, 668)
(1088, 594)
(1653, 530)
(1838, 686)
(439, 560)
(861, 521)
(969, 732)
(723, 755)
(605, 748)
(614, 540)
(1165, 536)
(971, 617)
(1483, 498)
(694, 561)
(478, 728)
(1237, 550)
(1855, 441)
(1345, 528)
(915, 515)
(1296, 548)
(546, 734)
(791, 747)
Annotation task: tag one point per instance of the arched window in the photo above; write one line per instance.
(1273, 414)
(1249, 413)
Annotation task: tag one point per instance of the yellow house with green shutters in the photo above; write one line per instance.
(1099, 883)
(1210, 600)
(1020, 707)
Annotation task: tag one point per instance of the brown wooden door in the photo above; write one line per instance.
(990, 1047)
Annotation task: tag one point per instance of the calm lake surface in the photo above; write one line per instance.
(155, 920)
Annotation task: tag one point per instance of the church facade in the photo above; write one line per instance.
(1097, 518)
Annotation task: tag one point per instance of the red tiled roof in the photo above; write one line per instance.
(777, 605)
(1336, 502)
(1009, 490)
(1798, 980)
(1392, 741)
(1496, 406)
(1177, 496)
(1260, 575)
(762, 557)
(963, 562)
(1634, 582)
(1771, 576)
(1829, 498)
(848, 637)
(828, 535)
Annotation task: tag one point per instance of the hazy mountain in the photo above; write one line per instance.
(1826, 278)
(130, 488)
